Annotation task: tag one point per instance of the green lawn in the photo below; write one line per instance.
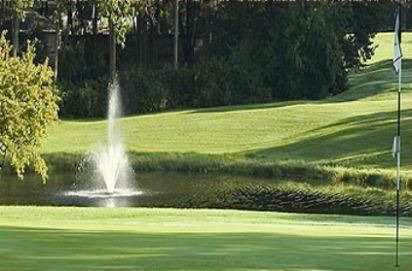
(38, 238)
(353, 129)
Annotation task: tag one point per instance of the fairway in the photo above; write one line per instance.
(354, 129)
(37, 238)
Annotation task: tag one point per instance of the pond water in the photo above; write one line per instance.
(147, 189)
(188, 190)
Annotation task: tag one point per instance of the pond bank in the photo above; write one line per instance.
(197, 163)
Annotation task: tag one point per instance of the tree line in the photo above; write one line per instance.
(187, 53)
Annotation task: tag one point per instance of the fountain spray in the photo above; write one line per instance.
(112, 163)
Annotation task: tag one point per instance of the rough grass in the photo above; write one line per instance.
(85, 239)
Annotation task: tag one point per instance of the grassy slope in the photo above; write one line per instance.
(354, 129)
(34, 238)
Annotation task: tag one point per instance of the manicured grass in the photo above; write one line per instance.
(353, 130)
(34, 238)
(385, 46)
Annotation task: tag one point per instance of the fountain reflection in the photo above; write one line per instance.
(110, 203)
(119, 197)
(103, 194)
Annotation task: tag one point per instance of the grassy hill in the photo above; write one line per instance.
(352, 130)
(47, 238)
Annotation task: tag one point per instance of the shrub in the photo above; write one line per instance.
(221, 81)
(142, 91)
(87, 99)
(211, 83)
(179, 86)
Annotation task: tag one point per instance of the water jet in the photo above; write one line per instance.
(111, 162)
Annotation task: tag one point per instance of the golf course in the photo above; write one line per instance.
(45, 238)
(193, 135)
(351, 133)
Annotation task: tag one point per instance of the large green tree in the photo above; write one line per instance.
(28, 104)
(301, 49)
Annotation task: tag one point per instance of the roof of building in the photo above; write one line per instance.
(34, 21)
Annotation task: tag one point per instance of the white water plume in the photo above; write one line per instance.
(111, 162)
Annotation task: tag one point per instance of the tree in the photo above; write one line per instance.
(304, 49)
(15, 10)
(28, 104)
(366, 19)
(119, 13)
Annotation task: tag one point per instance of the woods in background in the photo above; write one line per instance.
(229, 52)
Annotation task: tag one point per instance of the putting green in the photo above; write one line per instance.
(61, 238)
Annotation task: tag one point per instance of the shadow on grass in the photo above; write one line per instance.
(372, 80)
(52, 249)
(358, 140)
(369, 81)
(234, 108)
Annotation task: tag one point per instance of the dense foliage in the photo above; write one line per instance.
(28, 104)
(257, 52)
(120, 13)
(230, 52)
(12, 7)
(303, 50)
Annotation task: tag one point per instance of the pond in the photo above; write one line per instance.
(147, 189)
(189, 190)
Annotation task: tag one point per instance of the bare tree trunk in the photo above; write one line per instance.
(16, 28)
(152, 42)
(80, 17)
(95, 32)
(46, 9)
(176, 38)
(42, 8)
(95, 21)
(112, 51)
(189, 27)
(70, 19)
(189, 31)
(155, 32)
(56, 49)
(2, 12)
(139, 42)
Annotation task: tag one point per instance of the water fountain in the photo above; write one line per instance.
(111, 162)
(108, 165)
